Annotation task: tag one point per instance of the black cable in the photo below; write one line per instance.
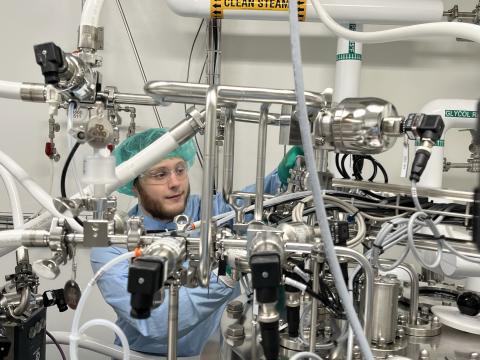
(342, 164)
(339, 169)
(64, 176)
(60, 350)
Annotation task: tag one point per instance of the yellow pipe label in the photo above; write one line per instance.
(217, 7)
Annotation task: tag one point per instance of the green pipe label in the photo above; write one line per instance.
(440, 143)
(461, 114)
(351, 55)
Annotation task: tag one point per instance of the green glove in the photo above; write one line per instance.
(287, 163)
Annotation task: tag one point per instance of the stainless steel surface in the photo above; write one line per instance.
(24, 301)
(268, 313)
(136, 54)
(78, 79)
(131, 99)
(33, 92)
(21, 255)
(297, 232)
(369, 285)
(314, 311)
(171, 92)
(228, 153)
(451, 195)
(172, 322)
(253, 117)
(355, 126)
(385, 309)
(207, 186)
(261, 160)
(214, 54)
(90, 37)
(414, 291)
(173, 250)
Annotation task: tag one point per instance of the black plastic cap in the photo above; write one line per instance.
(419, 164)
(51, 59)
(431, 127)
(469, 303)
(141, 306)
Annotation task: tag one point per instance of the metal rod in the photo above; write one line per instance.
(414, 291)
(136, 54)
(369, 279)
(207, 186)
(228, 154)
(405, 190)
(181, 92)
(172, 322)
(214, 54)
(261, 155)
(314, 311)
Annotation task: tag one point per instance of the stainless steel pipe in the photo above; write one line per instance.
(228, 153)
(172, 322)
(207, 186)
(261, 160)
(369, 279)
(181, 92)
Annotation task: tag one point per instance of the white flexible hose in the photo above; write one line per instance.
(74, 334)
(320, 211)
(91, 13)
(453, 29)
(35, 190)
(112, 326)
(10, 89)
(14, 197)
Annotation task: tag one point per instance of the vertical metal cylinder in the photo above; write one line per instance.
(172, 322)
(261, 155)
(313, 319)
(385, 308)
(228, 154)
(207, 186)
(214, 32)
(22, 255)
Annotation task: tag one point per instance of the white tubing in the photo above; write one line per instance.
(314, 182)
(93, 344)
(143, 161)
(129, 169)
(453, 29)
(12, 191)
(114, 328)
(35, 190)
(74, 335)
(10, 238)
(364, 12)
(91, 13)
(456, 114)
(10, 89)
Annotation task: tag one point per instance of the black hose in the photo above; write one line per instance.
(60, 350)
(64, 176)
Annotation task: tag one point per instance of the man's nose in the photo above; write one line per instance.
(173, 180)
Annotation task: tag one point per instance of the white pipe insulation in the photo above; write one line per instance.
(10, 90)
(91, 13)
(384, 12)
(456, 114)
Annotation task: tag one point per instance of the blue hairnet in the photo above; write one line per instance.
(136, 143)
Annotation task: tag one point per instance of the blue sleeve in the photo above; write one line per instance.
(195, 304)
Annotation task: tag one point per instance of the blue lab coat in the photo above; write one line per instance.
(200, 309)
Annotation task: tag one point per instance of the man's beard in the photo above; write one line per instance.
(155, 208)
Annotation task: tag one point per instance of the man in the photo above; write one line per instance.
(163, 192)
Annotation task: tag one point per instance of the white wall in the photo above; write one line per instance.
(409, 74)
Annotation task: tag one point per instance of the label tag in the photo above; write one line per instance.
(218, 7)
(405, 157)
